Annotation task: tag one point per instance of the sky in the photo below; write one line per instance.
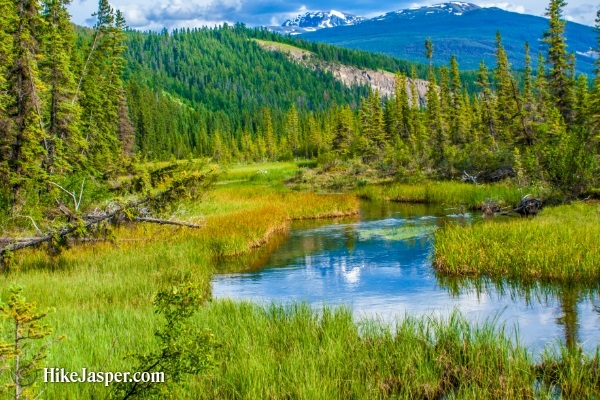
(159, 14)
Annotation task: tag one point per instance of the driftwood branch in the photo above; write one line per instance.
(470, 178)
(76, 202)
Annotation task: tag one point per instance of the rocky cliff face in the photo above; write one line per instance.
(383, 81)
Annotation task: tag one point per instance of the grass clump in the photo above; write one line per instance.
(561, 244)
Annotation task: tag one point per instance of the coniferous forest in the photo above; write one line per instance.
(77, 100)
(133, 165)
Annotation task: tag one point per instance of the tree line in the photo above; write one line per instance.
(541, 124)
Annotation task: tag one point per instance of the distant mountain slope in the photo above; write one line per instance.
(383, 81)
(457, 28)
(312, 21)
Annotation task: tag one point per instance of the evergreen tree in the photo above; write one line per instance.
(8, 21)
(505, 92)
(437, 135)
(65, 142)
(23, 135)
(343, 133)
(562, 63)
(270, 140)
(488, 103)
(292, 129)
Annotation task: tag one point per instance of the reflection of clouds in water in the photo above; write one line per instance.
(387, 280)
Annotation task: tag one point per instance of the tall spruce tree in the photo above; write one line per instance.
(62, 117)
(562, 63)
(24, 135)
(437, 135)
(505, 92)
(8, 21)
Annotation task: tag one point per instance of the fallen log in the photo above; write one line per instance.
(138, 211)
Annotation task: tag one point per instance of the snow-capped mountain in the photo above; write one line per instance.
(323, 19)
(450, 8)
(312, 21)
(461, 29)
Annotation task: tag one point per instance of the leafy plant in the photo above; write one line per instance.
(183, 349)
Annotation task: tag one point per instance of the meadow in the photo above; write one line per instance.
(100, 296)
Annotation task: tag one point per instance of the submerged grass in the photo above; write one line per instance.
(449, 193)
(561, 244)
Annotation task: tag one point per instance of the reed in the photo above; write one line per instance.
(326, 355)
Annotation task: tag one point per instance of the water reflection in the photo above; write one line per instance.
(379, 265)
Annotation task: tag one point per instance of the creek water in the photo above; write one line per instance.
(379, 265)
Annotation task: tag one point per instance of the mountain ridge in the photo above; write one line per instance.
(456, 28)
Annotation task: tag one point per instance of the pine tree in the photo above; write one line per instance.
(457, 118)
(342, 138)
(582, 103)
(8, 21)
(402, 107)
(65, 142)
(270, 140)
(562, 63)
(24, 136)
(488, 103)
(433, 115)
(595, 95)
(505, 92)
(292, 128)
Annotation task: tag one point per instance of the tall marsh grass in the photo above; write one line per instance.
(292, 351)
(561, 244)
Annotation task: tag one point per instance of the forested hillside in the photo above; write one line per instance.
(216, 92)
(78, 104)
(198, 92)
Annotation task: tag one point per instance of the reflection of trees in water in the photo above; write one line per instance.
(568, 296)
(283, 247)
(350, 235)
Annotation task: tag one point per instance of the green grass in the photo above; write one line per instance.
(102, 294)
(449, 193)
(561, 244)
(281, 352)
(102, 299)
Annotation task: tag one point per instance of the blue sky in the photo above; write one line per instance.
(156, 15)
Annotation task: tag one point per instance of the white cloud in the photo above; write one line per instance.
(584, 13)
(507, 6)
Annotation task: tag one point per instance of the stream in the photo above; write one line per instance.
(379, 265)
